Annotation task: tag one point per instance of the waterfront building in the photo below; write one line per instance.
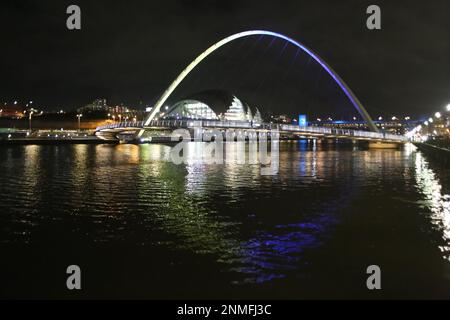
(212, 105)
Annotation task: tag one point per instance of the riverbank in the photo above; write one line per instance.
(42, 141)
(440, 154)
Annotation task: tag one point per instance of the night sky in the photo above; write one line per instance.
(130, 51)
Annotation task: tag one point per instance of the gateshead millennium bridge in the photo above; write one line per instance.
(199, 116)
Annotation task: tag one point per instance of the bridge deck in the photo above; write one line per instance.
(282, 128)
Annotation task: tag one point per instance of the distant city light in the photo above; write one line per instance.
(437, 115)
(448, 107)
(148, 109)
(430, 120)
(425, 123)
(15, 102)
(394, 118)
(380, 118)
(407, 118)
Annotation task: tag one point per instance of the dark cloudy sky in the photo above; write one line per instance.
(130, 51)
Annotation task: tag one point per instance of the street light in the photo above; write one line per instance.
(79, 120)
(430, 120)
(437, 115)
(30, 115)
(448, 107)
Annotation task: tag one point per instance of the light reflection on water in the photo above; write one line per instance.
(435, 200)
(257, 228)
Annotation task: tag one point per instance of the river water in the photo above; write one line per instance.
(140, 226)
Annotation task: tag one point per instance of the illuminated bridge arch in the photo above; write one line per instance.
(349, 93)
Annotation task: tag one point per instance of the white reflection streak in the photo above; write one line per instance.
(438, 203)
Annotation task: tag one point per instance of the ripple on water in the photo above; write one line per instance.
(260, 227)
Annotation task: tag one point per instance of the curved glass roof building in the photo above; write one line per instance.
(213, 105)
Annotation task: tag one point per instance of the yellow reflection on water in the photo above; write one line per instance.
(130, 152)
(31, 165)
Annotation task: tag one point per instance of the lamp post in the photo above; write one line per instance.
(79, 121)
(30, 115)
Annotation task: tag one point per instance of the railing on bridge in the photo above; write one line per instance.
(344, 132)
(128, 124)
(257, 126)
(180, 124)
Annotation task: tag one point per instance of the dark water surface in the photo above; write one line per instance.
(140, 226)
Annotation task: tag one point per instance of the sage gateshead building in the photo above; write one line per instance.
(212, 105)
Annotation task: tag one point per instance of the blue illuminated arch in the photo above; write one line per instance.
(349, 93)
